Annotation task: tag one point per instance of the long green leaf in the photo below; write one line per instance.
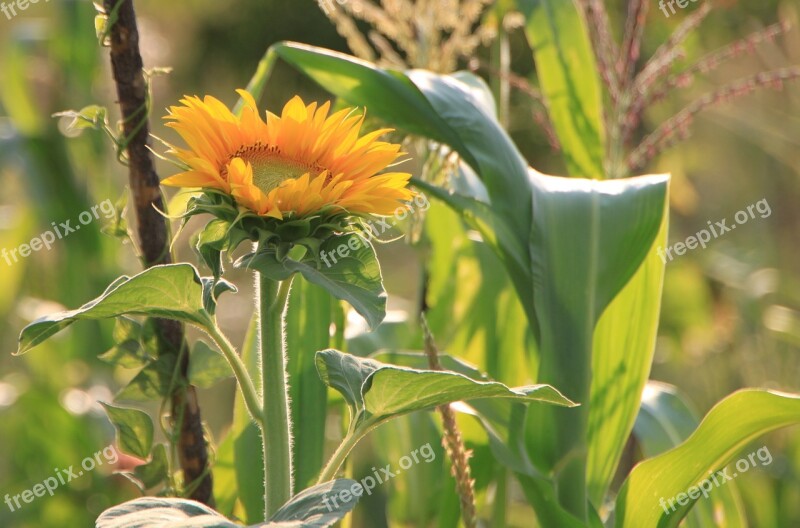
(588, 240)
(308, 323)
(568, 75)
(725, 431)
(623, 348)
(450, 109)
(664, 421)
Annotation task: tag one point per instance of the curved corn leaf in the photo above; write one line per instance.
(664, 421)
(727, 429)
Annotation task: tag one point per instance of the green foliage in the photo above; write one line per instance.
(154, 472)
(313, 508)
(567, 73)
(665, 421)
(376, 391)
(724, 432)
(172, 292)
(575, 303)
(134, 430)
(207, 366)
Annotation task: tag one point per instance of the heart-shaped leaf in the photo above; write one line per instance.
(172, 291)
(134, 430)
(154, 382)
(136, 344)
(379, 391)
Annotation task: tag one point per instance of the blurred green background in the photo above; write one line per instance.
(731, 313)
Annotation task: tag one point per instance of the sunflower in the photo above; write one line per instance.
(294, 165)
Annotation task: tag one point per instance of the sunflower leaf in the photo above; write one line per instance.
(172, 292)
(380, 391)
(317, 507)
(344, 264)
(350, 272)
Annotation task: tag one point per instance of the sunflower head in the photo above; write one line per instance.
(297, 164)
(282, 180)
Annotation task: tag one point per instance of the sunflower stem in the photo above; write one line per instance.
(273, 297)
(240, 373)
(336, 461)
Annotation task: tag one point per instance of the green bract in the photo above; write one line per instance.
(283, 247)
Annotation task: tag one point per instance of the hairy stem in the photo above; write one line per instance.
(277, 431)
(339, 456)
(249, 393)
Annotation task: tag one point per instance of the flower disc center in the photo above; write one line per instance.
(271, 168)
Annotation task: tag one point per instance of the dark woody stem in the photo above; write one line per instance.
(153, 235)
